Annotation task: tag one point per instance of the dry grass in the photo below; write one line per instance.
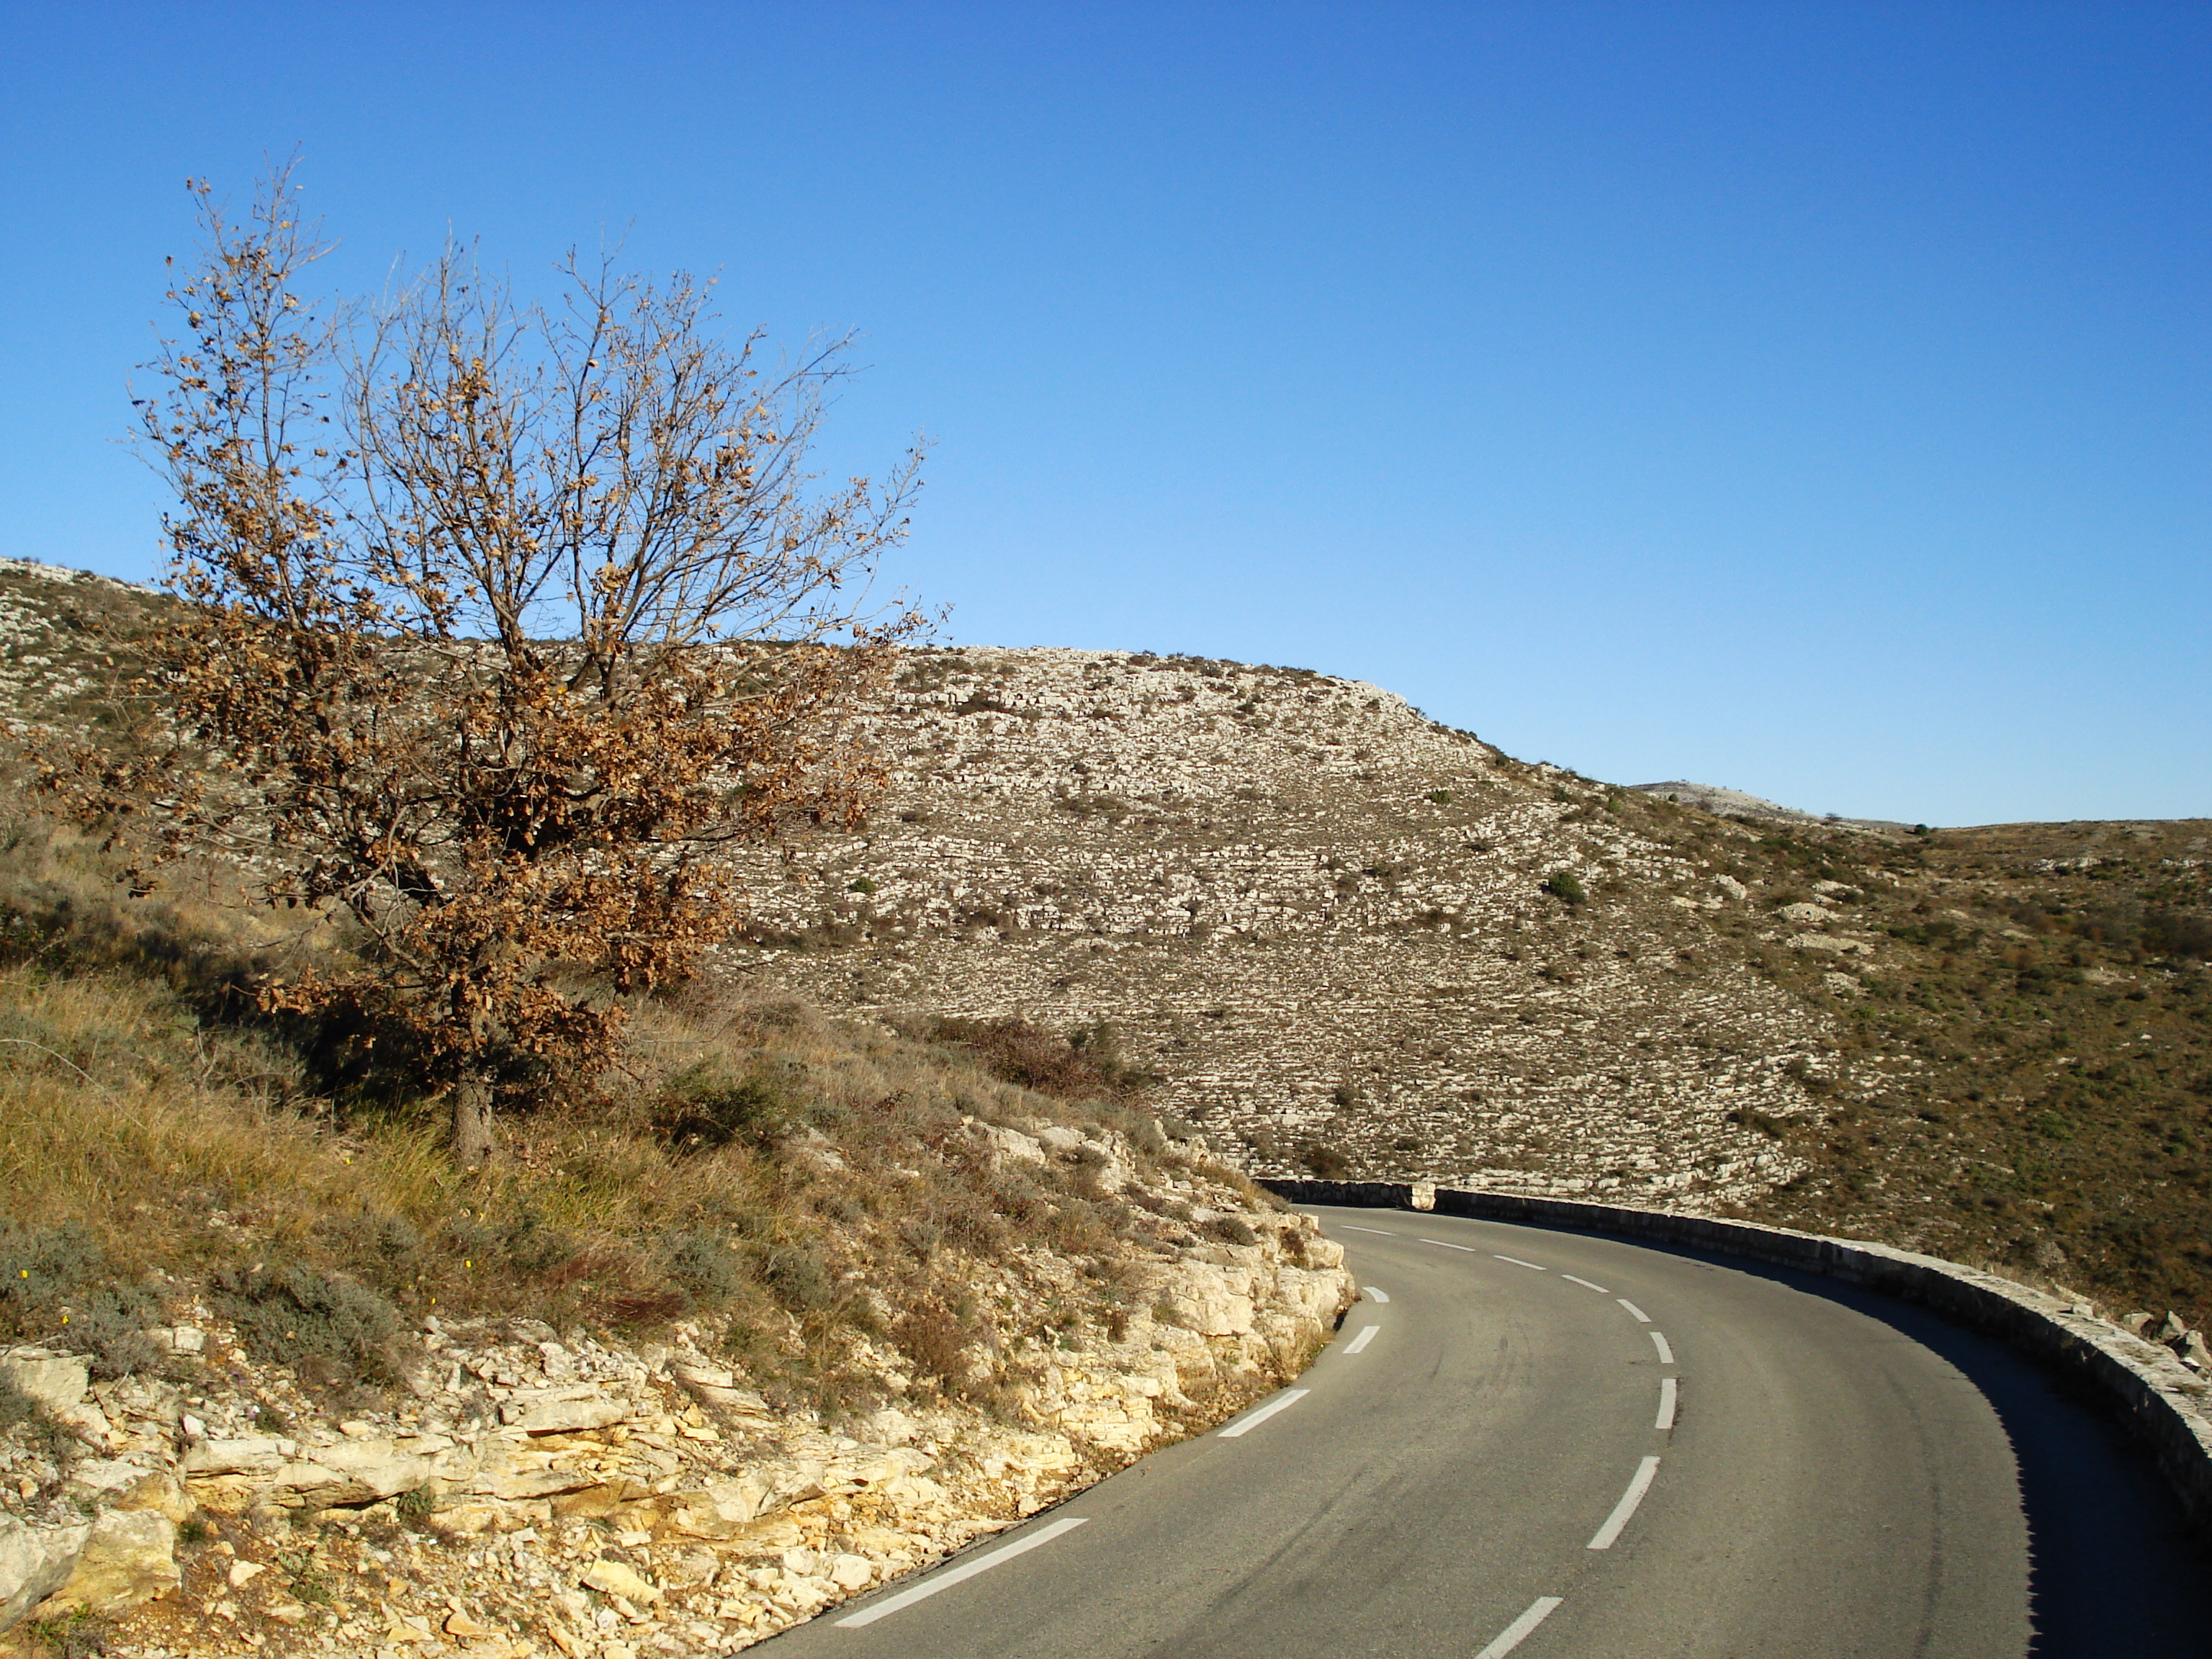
(808, 1191)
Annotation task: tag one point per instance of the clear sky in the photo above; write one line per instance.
(1811, 398)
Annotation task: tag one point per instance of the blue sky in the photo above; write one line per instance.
(1810, 399)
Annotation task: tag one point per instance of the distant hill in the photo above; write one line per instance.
(1735, 804)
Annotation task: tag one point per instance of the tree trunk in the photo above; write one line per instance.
(472, 1134)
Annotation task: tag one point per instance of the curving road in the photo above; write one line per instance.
(1555, 1445)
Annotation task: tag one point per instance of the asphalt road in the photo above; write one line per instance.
(1554, 1445)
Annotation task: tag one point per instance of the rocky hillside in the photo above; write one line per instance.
(1346, 939)
(1321, 921)
(1342, 938)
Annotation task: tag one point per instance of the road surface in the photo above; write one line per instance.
(1564, 1446)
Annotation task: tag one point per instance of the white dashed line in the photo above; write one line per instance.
(1642, 1317)
(1378, 1232)
(1446, 1244)
(1362, 1339)
(1666, 1353)
(1586, 1285)
(1518, 1262)
(946, 1580)
(1379, 1296)
(1251, 1420)
(1666, 1391)
(1515, 1633)
(1638, 1484)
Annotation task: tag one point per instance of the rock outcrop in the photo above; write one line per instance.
(539, 1491)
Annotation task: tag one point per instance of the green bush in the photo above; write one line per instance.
(108, 1328)
(289, 1313)
(1325, 1162)
(1232, 1229)
(704, 1108)
(42, 1269)
(1565, 885)
(707, 1270)
(800, 1277)
(57, 1285)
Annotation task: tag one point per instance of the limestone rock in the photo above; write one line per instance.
(564, 1410)
(471, 1518)
(615, 1578)
(1011, 1144)
(699, 1373)
(35, 1562)
(128, 1558)
(250, 1455)
(1314, 1296)
(1212, 1300)
(129, 1483)
(355, 1472)
(55, 1383)
(1825, 942)
(722, 1511)
(1323, 1252)
(851, 1572)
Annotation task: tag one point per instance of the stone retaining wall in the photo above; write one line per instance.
(2162, 1402)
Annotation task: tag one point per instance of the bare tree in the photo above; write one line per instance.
(506, 626)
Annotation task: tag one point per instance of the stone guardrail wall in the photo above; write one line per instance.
(2159, 1399)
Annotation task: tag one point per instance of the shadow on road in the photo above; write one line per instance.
(2116, 1566)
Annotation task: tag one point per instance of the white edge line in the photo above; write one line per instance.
(1378, 1232)
(1642, 1317)
(1586, 1285)
(1446, 1243)
(1638, 1484)
(1380, 1296)
(1518, 1262)
(1362, 1339)
(1665, 1419)
(1250, 1420)
(965, 1570)
(1515, 1633)
(1659, 1342)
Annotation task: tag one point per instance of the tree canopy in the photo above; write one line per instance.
(506, 626)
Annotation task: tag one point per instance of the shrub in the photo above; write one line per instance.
(704, 1108)
(108, 1328)
(327, 1329)
(77, 1634)
(800, 1277)
(1086, 1065)
(938, 1344)
(1325, 1162)
(705, 1268)
(40, 1269)
(1232, 1229)
(1565, 885)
